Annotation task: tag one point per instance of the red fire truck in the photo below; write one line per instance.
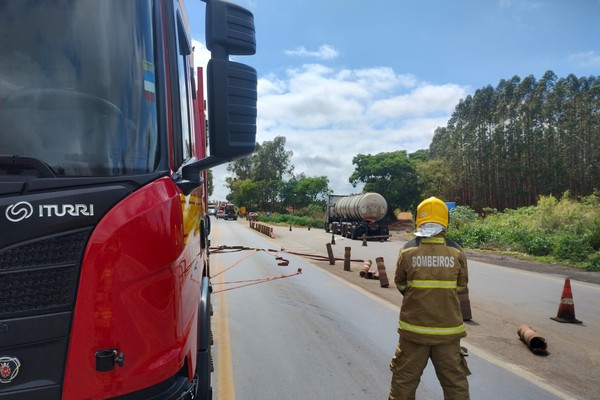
(104, 272)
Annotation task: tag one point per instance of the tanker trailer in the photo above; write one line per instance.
(356, 215)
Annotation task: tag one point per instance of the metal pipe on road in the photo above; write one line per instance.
(383, 278)
(533, 340)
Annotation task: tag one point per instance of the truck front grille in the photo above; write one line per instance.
(56, 250)
(40, 276)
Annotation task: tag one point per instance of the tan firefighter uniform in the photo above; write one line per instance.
(429, 273)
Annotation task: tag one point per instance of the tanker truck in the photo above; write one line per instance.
(358, 215)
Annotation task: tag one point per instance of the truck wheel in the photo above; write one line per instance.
(204, 362)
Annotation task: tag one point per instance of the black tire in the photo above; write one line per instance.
(204, 363)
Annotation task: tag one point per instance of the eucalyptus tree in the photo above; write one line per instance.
(524, 139)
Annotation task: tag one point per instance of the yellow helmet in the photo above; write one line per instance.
(432, 210)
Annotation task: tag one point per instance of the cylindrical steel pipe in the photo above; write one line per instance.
(347, 251)
(383, 278)
(365, 268)
(330, 254)
(532, 339)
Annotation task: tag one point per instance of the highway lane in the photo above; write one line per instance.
(502, 299)
(318, 336)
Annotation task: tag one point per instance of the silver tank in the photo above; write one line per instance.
(360, 207)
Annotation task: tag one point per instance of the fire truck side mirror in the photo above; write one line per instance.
(232, 110)
(229, 29)
(231, 86)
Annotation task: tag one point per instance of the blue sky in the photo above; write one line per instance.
(344, 77)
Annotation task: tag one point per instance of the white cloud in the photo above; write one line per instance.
(325, 52)
(587, 60)
(424, 100)
(328, 116)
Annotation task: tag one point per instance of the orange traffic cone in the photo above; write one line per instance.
(566, 308)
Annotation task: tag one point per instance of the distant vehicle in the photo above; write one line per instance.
(252, 216)
(229, 212)
(220, 213)
(357, 215)
(212, 209)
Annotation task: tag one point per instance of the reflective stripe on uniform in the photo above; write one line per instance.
(401, 287)
(431, 330)
(432, 284)
(433, 240)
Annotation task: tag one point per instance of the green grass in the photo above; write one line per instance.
(291, 219)
(564, 230)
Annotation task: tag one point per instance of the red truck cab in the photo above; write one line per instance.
(104, 267)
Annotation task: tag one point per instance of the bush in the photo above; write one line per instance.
(593, 235)
(537, 245)
(571, 247)
(593, 263)
(292, 219)
(470, 236)
(567, 229)
(462, 216)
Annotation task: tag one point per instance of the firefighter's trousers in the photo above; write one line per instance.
(410, 361)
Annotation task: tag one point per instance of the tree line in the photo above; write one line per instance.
(265, 180)
(503, 147)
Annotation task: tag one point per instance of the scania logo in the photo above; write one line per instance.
(9, 369)
(19, 211)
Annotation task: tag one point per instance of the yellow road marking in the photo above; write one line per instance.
(225, 387)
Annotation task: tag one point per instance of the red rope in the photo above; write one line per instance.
(235, 263)
(250, 282)
(282, 262)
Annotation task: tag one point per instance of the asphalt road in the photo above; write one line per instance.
(329, 334)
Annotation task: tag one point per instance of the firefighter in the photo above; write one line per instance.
(430, 271)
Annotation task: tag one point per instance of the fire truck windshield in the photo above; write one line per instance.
(77, 85)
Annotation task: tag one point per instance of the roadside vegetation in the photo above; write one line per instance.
(310, 216)
(564, 231)
(521, 159)
(560, 231)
